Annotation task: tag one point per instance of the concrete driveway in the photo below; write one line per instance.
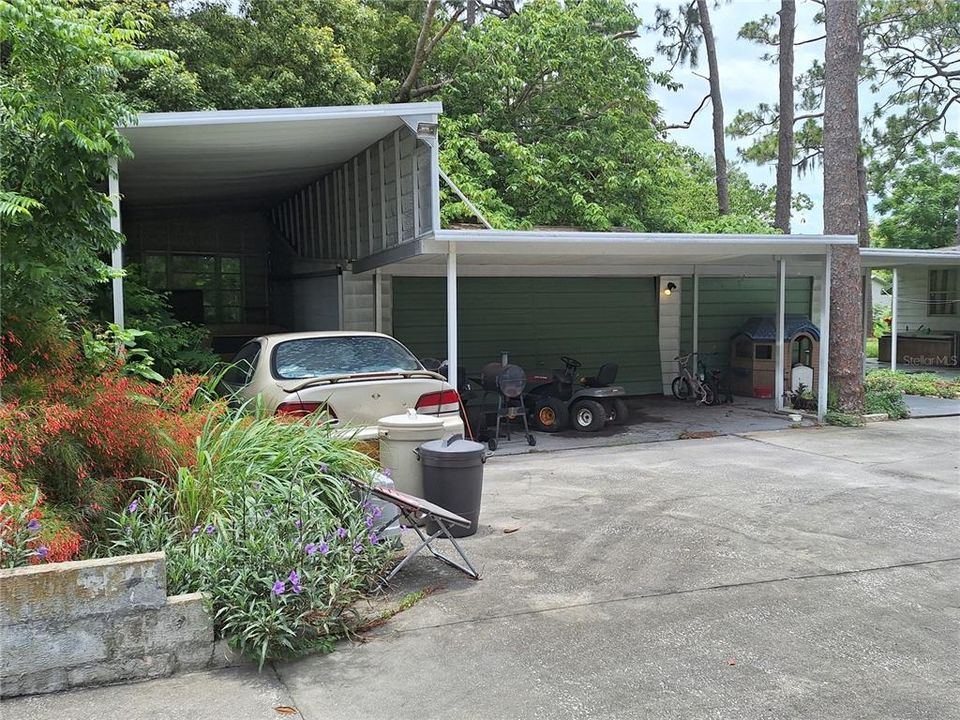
(808, 573)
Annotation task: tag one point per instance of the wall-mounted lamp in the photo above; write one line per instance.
(668, 290)
(427, 130)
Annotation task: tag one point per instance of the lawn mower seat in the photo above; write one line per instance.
(606, 375)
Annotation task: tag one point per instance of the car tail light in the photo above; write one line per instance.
(298, 408)
(446, 401)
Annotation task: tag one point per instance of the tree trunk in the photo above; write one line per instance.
(841, 202)
(788, 15)
(719, 151)
(471, 13)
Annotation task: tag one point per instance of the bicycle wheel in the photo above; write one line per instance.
(681, 388)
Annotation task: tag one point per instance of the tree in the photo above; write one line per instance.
(683, 34)
(548, 121)
(841, 139)
(920, 200)
(788, 15)
(274, 53)
(60, 111)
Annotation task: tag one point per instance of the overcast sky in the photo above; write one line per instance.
(745, 81)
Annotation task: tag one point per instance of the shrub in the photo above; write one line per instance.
(31, 533)
(883, 395)
(264, 521)
(929, 384)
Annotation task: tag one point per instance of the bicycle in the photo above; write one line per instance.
(688, 384)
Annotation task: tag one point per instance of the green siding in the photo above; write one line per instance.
(726, 303)
(537, 320)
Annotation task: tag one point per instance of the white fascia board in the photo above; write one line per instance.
(525, 242)
(893, 257)
(335, 112)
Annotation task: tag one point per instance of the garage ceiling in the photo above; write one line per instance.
(249, 155)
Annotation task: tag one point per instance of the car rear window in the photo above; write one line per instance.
(317, 357)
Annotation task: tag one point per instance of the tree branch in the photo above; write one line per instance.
(686, 125)
(810, 40)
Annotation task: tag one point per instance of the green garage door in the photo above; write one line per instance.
(536, 320)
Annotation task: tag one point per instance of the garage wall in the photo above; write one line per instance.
(913, 309)
(726, 303)
(594, 320)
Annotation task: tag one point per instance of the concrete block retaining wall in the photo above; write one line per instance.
(92, 622)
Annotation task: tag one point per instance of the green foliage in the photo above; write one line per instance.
(103, 348)
(883, 394)
(929, 384)
(267, 525)
(918, 198)
(835, 417)
(174, 346)
(17, 533)
(274, 53)
(60, 112)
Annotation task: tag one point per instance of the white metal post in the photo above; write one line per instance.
(781, 310)
(696, 313)
(378, 300)
(824, 370)
(452, 313)
(893, 320)
(116, 256)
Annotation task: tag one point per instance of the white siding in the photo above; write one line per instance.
(669, 330)
(912, 305)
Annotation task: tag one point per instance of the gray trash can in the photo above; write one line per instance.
(453, 479)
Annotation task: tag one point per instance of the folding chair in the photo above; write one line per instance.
(414, 510)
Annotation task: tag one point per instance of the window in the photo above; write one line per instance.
(943, 298)
(243, 365)
(342, 355)
(763, 352)
(219, 278)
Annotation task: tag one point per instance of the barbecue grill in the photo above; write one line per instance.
(508, 383)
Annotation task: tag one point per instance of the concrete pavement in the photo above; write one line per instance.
(794, 574)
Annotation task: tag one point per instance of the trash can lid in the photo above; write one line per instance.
(453, 446)
(411, 420)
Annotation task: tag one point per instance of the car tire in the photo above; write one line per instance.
(550, 415)
(588, 416)
(617, 412)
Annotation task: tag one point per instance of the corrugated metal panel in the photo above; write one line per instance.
(726, 303)
(536, 320)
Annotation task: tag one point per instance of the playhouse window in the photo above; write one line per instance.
(763, 352)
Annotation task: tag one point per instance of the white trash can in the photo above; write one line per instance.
(400, 436)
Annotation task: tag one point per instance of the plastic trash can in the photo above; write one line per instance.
(400, 436)
(453, 479)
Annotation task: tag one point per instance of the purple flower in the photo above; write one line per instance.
(324, 548)
(279, 587)
(341, 533)
(357, 548)
(310, 548)
(33, 525)
(324, 468)
(388, 472)
(295, 582)
(196, 530)
(377, 512)
(373, 539)
(297, 523)
(210, 530)
(369, 521)
(42, 552)
(132, 507)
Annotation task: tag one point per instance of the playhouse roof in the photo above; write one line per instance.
(764, 329)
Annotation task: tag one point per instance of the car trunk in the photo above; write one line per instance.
(361, 403)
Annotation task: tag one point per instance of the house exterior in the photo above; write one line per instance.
(260, 221)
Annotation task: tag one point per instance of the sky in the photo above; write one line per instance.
(745, 81)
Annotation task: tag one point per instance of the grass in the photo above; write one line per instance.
(928, 384)
(873, 347)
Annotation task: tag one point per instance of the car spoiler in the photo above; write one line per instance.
(359, 377)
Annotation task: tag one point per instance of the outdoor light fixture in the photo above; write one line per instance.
(426, 130)
(668, 290)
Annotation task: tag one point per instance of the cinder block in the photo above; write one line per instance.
(35, 647)
(140, 668)
(64, 591)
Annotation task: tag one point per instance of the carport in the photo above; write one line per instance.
(655, 266)
(263, 221)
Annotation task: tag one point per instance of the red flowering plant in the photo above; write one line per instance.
(78, 428)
